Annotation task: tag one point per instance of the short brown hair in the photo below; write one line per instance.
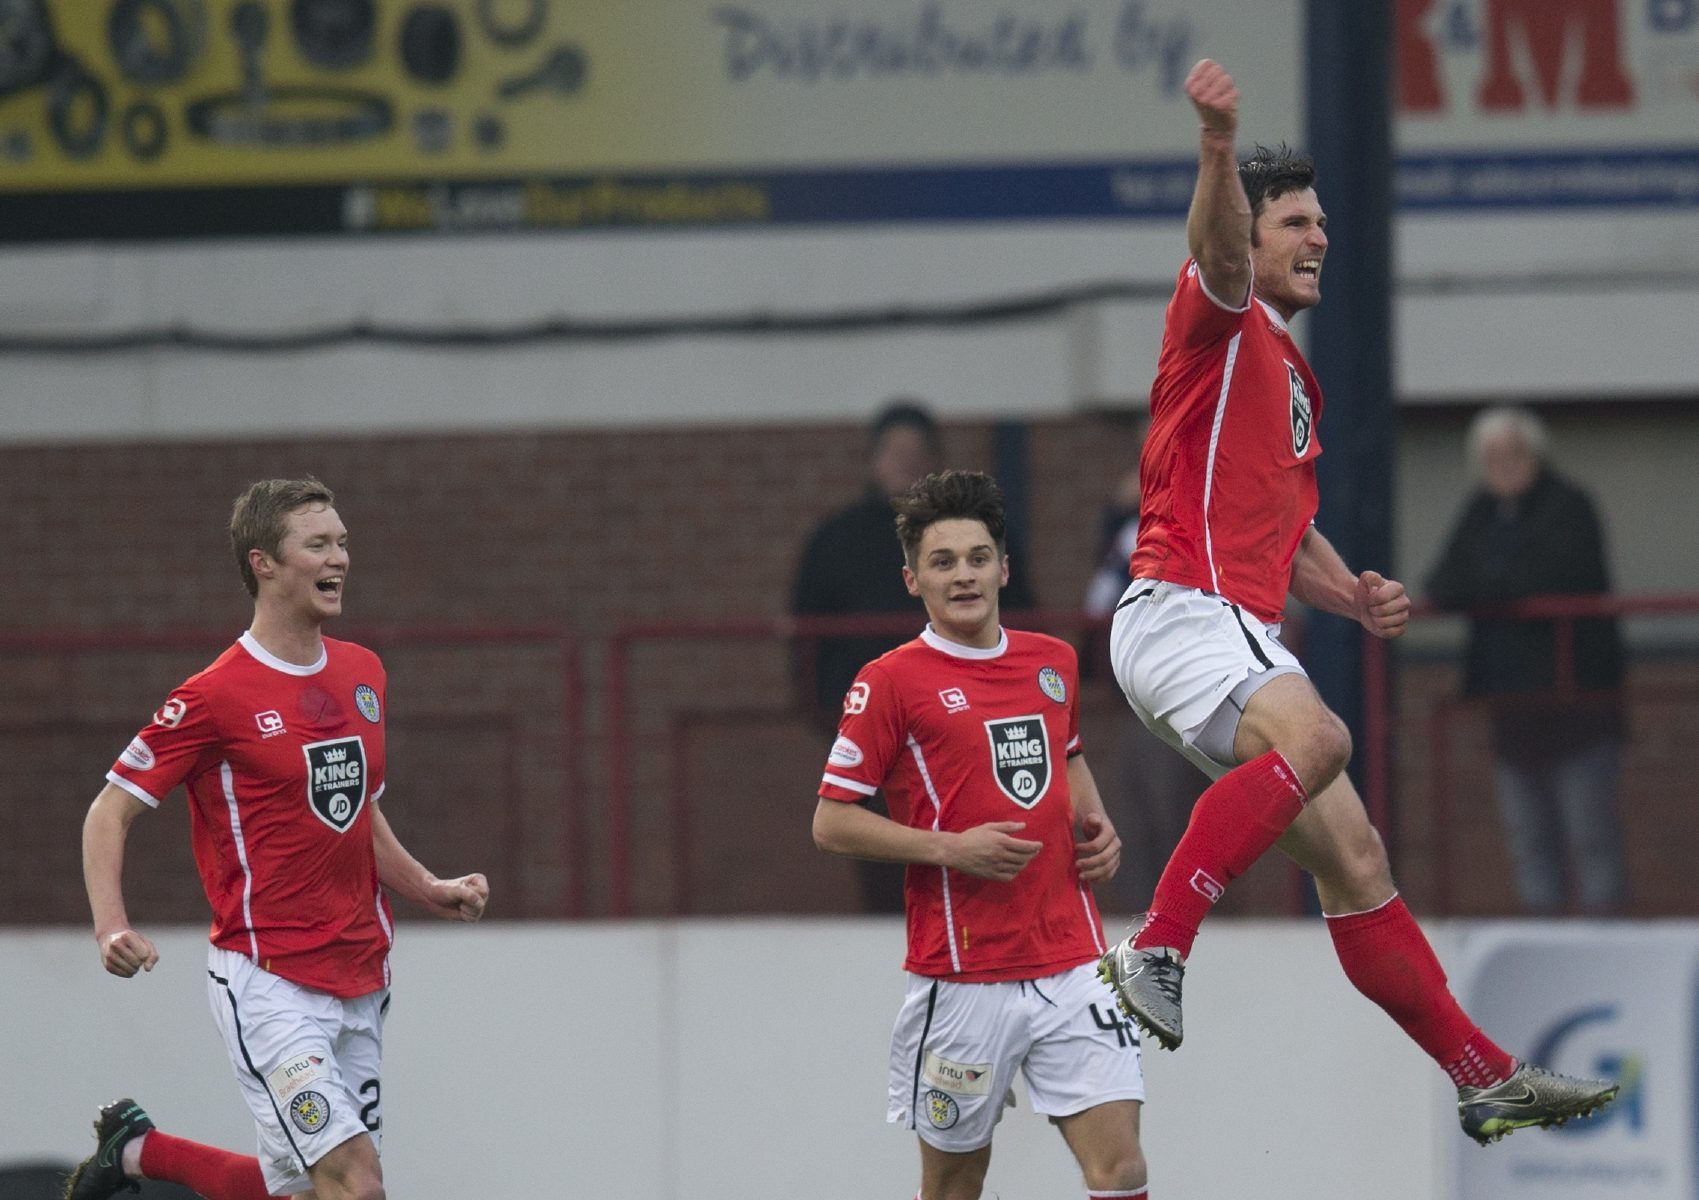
(259, 520)
(949, 496)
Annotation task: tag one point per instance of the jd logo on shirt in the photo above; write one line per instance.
(1020, 757)
(336, 780)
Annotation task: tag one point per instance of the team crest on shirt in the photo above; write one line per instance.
(1303, 415)
(366, 700)
(1020, 757)
(941, 1109)
(310, 1111)
(336, 780)
(1051, 683)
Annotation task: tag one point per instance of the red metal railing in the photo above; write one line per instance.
(573, 900)
(1437, 722)
(621, 748)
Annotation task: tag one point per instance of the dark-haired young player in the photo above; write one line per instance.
(1228, 494)
(972, 731)
(280, 746)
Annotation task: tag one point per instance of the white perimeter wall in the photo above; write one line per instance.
(734, 1060)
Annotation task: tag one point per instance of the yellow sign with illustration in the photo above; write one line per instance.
(148, 93)
(164, 118)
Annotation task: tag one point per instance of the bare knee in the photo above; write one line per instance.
(1287, 715)
(946, 1176)
(1122, 1171)
(1318, 751)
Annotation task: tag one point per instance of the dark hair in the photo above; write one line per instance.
(949, 496)
(1269, 174)
(260, 518)
(906, 412)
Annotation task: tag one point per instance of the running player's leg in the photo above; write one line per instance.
(1084, 1073)
(1387, 958)
(350, 1171)
(1383, 951)
(131, 1148)
(1105, 1142)
(955, 1051)
(287, 1044)
(1189, 663)
(947, 1175)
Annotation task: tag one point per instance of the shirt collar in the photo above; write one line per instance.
(943, 645)
(260, 653)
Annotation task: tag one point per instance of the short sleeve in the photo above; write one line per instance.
(1075, 743)
(168, 751)
(1196, 318)
(870, 737)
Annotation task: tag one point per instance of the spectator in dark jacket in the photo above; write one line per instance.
(1555, 693)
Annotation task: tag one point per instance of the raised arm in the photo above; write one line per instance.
(123, 951)
(460, 899)
(1321, 579)
(1218, 226)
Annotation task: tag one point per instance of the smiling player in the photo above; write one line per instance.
(972, 731)
(280, 746)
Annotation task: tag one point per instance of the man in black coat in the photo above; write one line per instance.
(1555, 694)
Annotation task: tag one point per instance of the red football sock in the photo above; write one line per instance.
(214, 1173)
(1238, 817)
(1388, 959)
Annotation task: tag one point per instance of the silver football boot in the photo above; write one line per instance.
(1532, 1096)
(1146, 984)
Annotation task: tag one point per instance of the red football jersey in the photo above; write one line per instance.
(281, 763)
(957, 737)
(1228, 473)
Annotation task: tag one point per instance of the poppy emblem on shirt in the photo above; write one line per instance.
(366, 700)
(1303, 414)
(1020, 758)
(1051, 683)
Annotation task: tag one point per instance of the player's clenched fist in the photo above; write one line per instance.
(990, 851)
(461, 899)
(125, 952)
(1214, 94)
(1383, 607)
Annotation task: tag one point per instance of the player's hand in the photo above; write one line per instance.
(461, 899)
(125, 952)
(1098, 852)
(1382, 606)
(1216, 97)
(991, 851)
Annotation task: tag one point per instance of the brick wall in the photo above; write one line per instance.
(582, 532)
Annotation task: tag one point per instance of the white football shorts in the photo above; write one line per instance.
(307, 1063)
(1189, 661)
(957, 1047)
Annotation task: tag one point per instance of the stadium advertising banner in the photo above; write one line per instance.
(165, 118)
(1614, 1001)
(1547, 104)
